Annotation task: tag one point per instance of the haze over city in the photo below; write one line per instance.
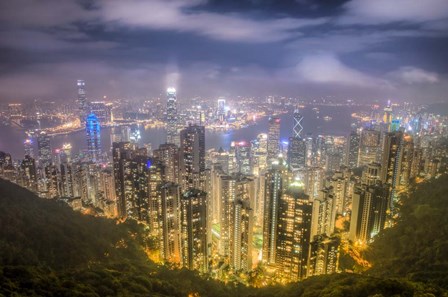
(356, 49)
(224, 148)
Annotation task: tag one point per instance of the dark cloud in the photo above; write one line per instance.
(136, 48)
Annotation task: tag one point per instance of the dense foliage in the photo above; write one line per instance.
(46, 249)
(417, 246)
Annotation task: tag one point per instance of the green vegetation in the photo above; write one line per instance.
(417, 246)
(46, 249)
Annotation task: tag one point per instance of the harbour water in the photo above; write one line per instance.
(11, 139)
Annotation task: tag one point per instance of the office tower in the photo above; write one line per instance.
(324, 255)
(52, 179)
(370, 147)
(333, 161)
(387, 117)
(155, 181)
(241, 235)
(67, 190)
(233, 189)
(44, 149)
(171, 117)
(273, 146)
(243, 156)
(102, 110)
(339, 183)
(259, 154)
(170, 223)
(93, 132)
(29, 172)
(194, 245)
(313, 180)
(296, 153)
(309, 150)
(275, 180)
(353, 149)
(192, 157)
(293, 233)
(221, 111)
(168, 154)
(297, 145)
(222, 158)
(392, 155)
(66, 153)
(116, 135)
(406, 161)
(82, 100)
(134, 135)
(324, 213)
(369, 206)
(29, 150)
(121, 154)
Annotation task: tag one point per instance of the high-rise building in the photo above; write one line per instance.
(29, 173)
(168, 154)
(391, 163)
(324, 213)
(221, 111)
(273, 138)
(370, 147)
(171, 117)
(387, 117)
(369, 207)
(82, 100)
(192, 157)
(44, 149)
(293, 233)
(170, 223)
(29, 150)
(241, 235)
(122, 154)
(353, 149)
(194, 243)
(93, 132)
(296, 153)
(243, 156)
(297, 145)
(324, 255)
(276, 178)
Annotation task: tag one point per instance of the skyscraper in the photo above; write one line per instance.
(369, 147)
(221, 112)
(168, 154)
(171, 117)
(44, 149)
(391, 164)
(297, 145)
(273, 138)
(275, 180)
(82, 100)
(293, 233)
(28, 144)
(243, 157)
(353, 149)
(369, 206)
(93, 131)
(194, 243)
(192, 157)
(170, 223)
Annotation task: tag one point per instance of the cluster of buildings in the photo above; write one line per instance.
(205, 209)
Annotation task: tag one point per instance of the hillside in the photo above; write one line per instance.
(46, 249)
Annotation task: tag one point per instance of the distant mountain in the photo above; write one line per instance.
(46, 249)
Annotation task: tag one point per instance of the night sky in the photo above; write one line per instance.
(358, 49)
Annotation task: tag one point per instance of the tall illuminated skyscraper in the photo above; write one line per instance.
(273, 138)
(93, 131)
(391, 164)
(297, 145)
(353, 149)
(194, 243)
(221, 112)
(168, 154)
(170, 223)
(171, 117)
(192, 157)
(28, 144)
(44, 149)
(82, 99)
(293, 233)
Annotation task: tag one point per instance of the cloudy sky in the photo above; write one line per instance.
(136, 48)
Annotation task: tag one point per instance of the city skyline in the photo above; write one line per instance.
(353, 49)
